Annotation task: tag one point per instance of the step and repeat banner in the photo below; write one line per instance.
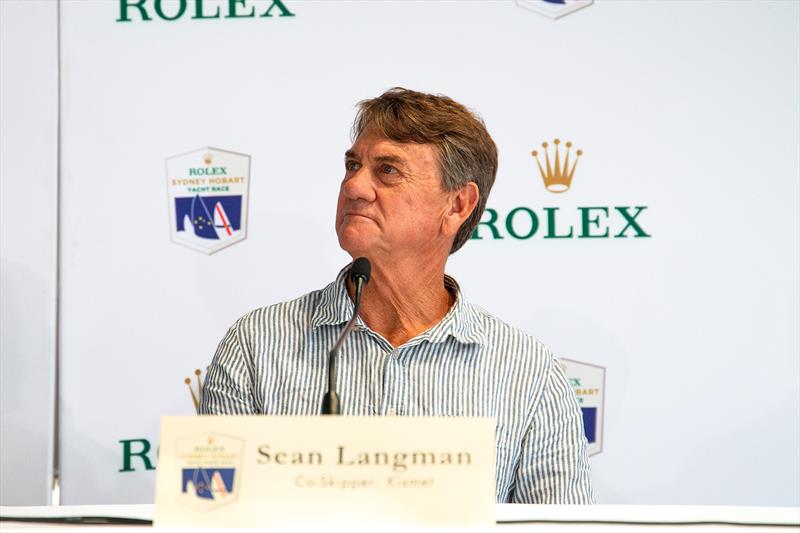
(644, 223)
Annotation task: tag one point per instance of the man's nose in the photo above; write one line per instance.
(359, 185)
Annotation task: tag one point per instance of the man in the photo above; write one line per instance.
(415, 185)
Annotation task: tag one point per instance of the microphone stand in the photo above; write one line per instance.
(330, 402)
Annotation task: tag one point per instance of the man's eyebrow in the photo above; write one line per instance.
(386, 158)
(389, 159)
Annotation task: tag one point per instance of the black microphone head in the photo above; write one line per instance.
(361, 269)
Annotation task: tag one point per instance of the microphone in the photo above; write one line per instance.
(359, 275)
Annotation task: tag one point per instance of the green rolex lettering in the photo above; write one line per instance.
(631, 222)
(128, 454)
(198, 11)
(490, 223)
(282, 8)
(510, 223)
(587, 221)
(552, 232)
(161, 14)
(233, 6)
(124, 15)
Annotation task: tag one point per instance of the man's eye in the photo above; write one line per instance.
(388, 169)
(351, 166)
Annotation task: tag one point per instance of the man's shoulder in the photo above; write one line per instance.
(500, 334)
(295, 312)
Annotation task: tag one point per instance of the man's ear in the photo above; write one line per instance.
(462, 202)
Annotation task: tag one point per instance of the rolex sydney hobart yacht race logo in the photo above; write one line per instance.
(208, 191)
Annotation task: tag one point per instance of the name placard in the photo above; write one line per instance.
(325, 472)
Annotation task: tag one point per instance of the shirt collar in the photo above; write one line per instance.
(462, 322)
(334, 306)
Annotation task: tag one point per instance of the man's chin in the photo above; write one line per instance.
(356, 246)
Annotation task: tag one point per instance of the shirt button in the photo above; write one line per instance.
(391, 412)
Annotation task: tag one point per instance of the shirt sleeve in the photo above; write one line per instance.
(554, 464)
(229, 386)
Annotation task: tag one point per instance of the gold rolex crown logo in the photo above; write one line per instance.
(208, 158)
(195, 395)
(557, 176)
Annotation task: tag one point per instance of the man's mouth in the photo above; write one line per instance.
(358, 215)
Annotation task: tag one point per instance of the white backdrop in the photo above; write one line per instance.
(28, 248)
(689, 109)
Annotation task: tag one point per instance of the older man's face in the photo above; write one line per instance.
(391, 202)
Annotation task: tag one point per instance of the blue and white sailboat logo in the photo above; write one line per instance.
(210, 217)
(208, 483)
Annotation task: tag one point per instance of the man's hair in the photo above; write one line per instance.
(466, 151)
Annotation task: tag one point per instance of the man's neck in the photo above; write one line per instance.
(401, 303)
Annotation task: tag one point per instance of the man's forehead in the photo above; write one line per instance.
(373, 143)
(382, 148)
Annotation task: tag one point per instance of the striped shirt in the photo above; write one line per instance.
(274, 361)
